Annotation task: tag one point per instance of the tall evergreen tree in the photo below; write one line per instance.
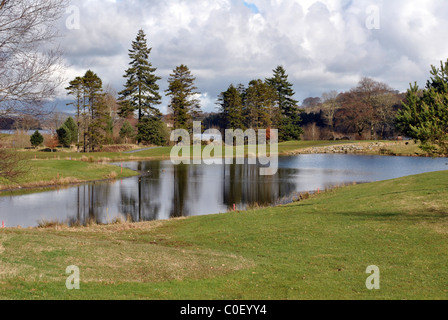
(92, 112)
(141, 91)
(425, 113)
(76, 89)
(259, 104)
(231, 105)
(97, 110)
(288, 118)
(184, 106)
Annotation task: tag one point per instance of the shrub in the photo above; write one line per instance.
(152, 131)
(64, 136)
(36, 139)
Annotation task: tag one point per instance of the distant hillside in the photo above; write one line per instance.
(51, 121)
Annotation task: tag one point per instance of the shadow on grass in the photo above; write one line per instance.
(418, 215)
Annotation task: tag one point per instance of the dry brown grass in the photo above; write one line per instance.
(113, 175)
(123, 252)
(54, 224)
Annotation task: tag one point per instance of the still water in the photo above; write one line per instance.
(165, 191)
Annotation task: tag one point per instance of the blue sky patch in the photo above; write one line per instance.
(252, 7)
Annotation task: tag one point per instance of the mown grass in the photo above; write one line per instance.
(315, 249)
(63, 172)
(158, 153)
(164, 153)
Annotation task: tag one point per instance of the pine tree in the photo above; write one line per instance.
(127, 132)
(76, 89)
(91, 110)
(73, 128)
(259, 103)
(152, 131)
(288, 116)
(185, 108)
(425, 113)
(64, 136)
(97, 110)
(141, 91)
(231, 105)
(36, 139)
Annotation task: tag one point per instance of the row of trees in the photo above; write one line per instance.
(29, 78)
(139, 98)
(376, 109)
(262, 105)
(368, 110)
(91, 112)
(372, 108)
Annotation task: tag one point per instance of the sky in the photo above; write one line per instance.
(323, 45)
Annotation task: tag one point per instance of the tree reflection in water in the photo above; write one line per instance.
(166, 191)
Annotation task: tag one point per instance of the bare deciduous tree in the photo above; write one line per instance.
(12, 164)
(330, 105)
(28, 69)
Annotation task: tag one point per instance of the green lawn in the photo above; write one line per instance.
(41, 173)
(164, 153)
(315, 249)
(158, 153)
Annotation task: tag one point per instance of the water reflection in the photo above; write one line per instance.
(165, 191)
(142, 203)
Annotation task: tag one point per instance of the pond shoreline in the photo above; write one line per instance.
(363, 148)
(67, 180)
(360, 148)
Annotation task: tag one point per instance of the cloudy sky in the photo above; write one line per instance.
(324, 45)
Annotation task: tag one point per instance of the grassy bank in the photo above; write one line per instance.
(63, 172)
(65, 167)
(316, 249)
(405, 148)
(163, 153)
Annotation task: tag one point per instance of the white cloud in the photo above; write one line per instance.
(324, 45)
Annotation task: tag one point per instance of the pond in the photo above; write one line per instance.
(165, 191)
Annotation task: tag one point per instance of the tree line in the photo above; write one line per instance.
(367, 111)
(29, 78)
(263, 104)
(371, 110)
(136, 105)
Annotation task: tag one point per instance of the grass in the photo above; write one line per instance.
(163, 153)
(64, 172)
(318, 248)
